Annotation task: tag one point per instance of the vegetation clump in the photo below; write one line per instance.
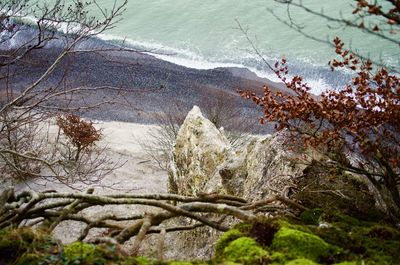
(334, 190)
(345, 240)
(301, 262)
(82, 134)
(297, 243)
(79, 250)
(311, 217)
(23, 246)
(245, 251)
(225, 239)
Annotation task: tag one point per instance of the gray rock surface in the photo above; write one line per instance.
(200, 147)
(204, 162)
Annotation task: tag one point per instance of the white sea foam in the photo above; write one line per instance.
(193, 60)
(318, 86)
(205, 35)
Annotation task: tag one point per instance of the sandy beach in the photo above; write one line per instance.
(136, 173)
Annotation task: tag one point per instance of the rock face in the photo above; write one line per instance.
(204, 161)
(200, 147)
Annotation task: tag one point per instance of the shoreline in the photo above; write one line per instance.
(150, 85)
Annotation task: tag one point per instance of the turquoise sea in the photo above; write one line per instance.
(205, 34)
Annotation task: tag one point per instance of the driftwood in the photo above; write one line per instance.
(48, 209)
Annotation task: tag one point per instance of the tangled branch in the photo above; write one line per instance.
(48, 209)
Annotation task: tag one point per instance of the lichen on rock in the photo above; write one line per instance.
(204, 161)
(200, 147)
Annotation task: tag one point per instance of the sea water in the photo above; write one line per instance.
(207, 34)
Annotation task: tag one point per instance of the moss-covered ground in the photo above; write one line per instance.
(315, 238)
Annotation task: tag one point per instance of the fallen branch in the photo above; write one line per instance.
(49, 209)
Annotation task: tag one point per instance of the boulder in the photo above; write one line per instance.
(200, 147)
(263, 167)
(204, 161)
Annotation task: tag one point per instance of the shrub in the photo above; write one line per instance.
(82, 134)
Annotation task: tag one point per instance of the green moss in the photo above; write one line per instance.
(191, 263)
(384, 232)
(301, 262)
(142, 261)
(372, 243)
(298, 244)
(83, 253)
(378, 251)
(79, 250)
(334, 235)
(277, 258)
(311, 217)
(225, 239)
(245, 250)
(16, 244)
(347, 239)
(344, 219)
(16, 237)
(283, 222)
(243, 227)
(280, 241)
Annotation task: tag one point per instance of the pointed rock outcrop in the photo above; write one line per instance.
(204, 161)
(199, 149)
